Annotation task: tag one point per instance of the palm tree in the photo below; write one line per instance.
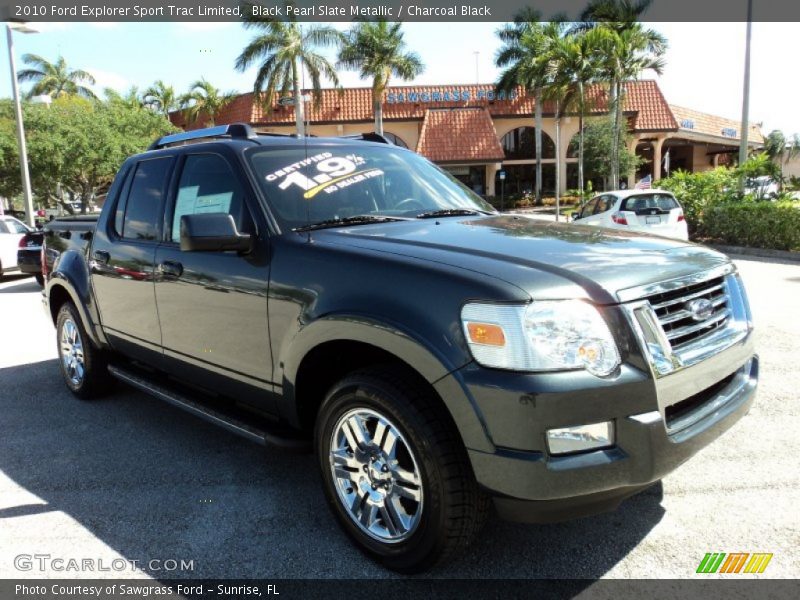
(130, 99)
(779, 150)
(284, 48)
(629, 50)
(575, 65)
(526, 55)
(161, 98)
(204, 99)
(376, 49)
(55, 79)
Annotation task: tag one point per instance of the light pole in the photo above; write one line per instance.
(23, 151)
(746, 91)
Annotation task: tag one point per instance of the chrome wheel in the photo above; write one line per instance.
(376, 475)
(72, 358)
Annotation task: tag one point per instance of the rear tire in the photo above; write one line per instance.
(406, 494)
(83, 366)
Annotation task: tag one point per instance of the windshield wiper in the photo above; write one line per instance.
(357, 220)
(451, 212)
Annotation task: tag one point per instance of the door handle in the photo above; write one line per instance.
(171, 268)
(101, 256)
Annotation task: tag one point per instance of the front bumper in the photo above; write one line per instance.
(529, 484)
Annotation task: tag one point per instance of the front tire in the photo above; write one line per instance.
(39, 279)
(395, 471)
(84, 367)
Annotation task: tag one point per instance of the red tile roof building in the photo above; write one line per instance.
(465, 125)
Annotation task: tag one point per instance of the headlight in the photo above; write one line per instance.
(542, 336)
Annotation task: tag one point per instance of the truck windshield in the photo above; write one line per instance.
(331, 183)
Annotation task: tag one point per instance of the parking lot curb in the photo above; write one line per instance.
(761, 252)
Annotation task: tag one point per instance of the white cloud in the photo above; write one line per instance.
(107, 79)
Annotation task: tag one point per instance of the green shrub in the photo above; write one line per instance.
(755, 224)
(697, 192)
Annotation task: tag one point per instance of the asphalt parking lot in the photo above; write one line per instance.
(129, 477)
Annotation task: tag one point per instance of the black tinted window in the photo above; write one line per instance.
(646, 202)
(208, 185)
(142, 210)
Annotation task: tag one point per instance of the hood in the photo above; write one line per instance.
(588, 261)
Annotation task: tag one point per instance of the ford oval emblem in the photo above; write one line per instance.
(700, 308)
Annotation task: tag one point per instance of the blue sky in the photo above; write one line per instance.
(704, 62)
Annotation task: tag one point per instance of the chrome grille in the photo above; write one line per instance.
(680, 325)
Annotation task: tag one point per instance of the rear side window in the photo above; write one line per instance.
(209, 185)
(16, 227)
(142, 207)
(643, 203)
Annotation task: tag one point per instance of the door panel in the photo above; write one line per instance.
(122, 260)
(213, 305)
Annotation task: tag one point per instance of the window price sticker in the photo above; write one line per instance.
(329, 174)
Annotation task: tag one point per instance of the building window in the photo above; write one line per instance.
(520, 144)
(394, 139)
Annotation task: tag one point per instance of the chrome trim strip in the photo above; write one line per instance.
(639, 292)
(683, 314)
(703, 292)
(687, 329)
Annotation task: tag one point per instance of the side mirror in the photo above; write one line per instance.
(209, 232)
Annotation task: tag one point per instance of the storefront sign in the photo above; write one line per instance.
(687, 123)
(729, 132)
(445, 95)
(457, 170)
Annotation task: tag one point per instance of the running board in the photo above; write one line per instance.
(264, 435)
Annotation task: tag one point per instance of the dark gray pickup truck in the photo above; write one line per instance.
(440, 357)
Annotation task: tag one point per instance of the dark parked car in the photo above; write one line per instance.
(29, 255)
(440, 357)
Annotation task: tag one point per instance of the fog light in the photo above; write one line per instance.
(580, 438)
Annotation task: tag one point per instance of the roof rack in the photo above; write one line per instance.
(370, 136)
(234, 130)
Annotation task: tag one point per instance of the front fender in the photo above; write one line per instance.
(421, 356)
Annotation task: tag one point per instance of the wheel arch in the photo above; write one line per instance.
(329, 349)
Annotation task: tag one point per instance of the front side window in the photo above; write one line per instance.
(209, 185)
(143, 207)
(589, 208)
(604, 203)
(331, 182)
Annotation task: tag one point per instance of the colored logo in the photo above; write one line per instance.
(736, 562)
